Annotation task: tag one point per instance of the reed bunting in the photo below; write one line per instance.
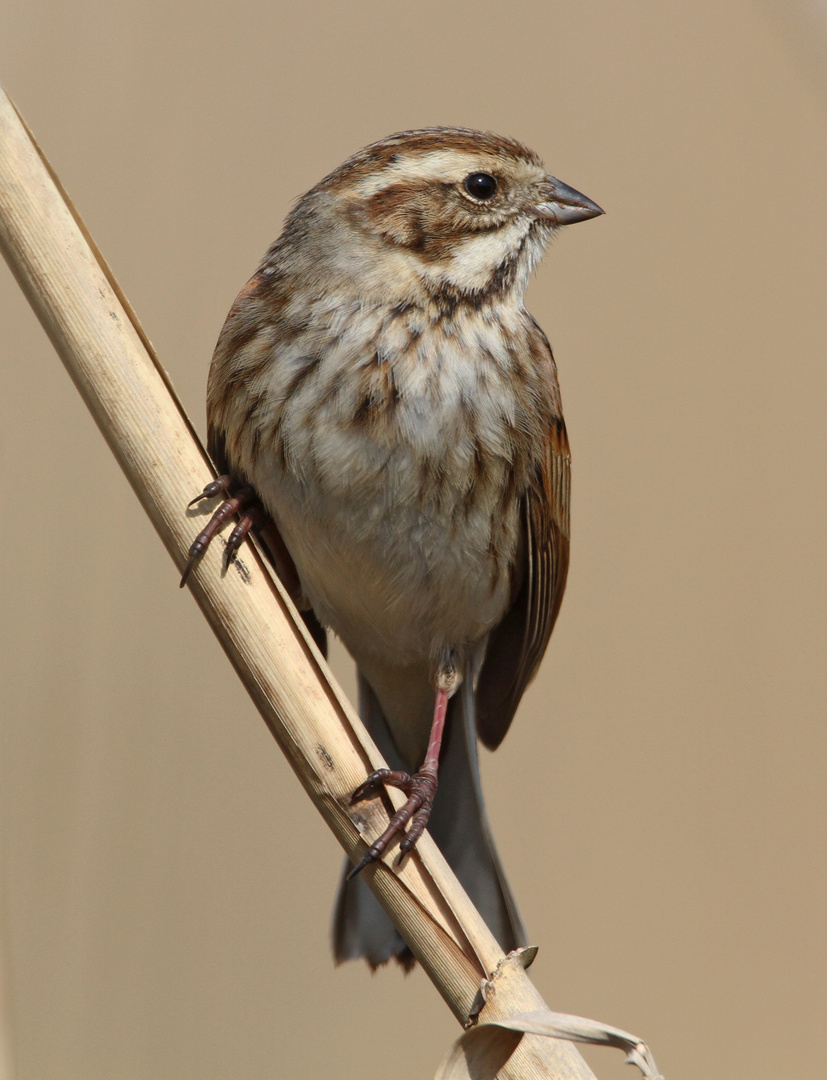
(386, 415)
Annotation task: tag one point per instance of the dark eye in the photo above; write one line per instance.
(480, 185)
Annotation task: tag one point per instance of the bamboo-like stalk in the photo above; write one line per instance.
(113, 366)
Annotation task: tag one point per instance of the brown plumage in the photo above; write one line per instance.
(380, 387)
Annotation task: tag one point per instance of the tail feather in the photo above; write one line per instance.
(460, 828)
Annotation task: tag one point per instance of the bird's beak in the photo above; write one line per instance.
(562, 205)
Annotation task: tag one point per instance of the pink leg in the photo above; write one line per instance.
(419, 787)
(437, 727)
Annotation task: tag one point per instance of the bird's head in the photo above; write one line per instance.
(448, 210)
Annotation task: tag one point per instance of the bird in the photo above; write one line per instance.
(385, 415)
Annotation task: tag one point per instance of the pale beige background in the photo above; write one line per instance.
(661, 800)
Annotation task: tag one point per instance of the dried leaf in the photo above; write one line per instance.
(482, 1051)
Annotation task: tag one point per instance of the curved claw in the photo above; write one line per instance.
(239, 534)
(215, 487)
(366, 860)
(375, 781)
(222, 515)
(420, 789)
(418, 823)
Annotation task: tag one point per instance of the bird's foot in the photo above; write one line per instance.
(420, 787)
(237, 500)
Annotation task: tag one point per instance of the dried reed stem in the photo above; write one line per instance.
(112, 364)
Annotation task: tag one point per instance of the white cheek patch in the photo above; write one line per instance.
(476, 258)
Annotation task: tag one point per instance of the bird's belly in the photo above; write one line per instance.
(400, 571)
(395, 473)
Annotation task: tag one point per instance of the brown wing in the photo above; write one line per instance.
(517, 644)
